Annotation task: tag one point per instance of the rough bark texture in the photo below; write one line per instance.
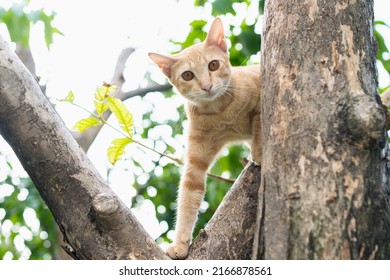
(324, 169)
(93, 220)
(229, 234)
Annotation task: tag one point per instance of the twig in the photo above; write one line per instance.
(177, 160)
(142, 91)
(221, 178)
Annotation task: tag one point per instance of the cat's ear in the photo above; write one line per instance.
(164, 62)
(216, 36)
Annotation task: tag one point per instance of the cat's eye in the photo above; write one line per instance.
(213, 65)
(188, 75)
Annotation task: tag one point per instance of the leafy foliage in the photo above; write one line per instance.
(86, 123)
(18, 23)
(117, 149)
(22, 235)
(244, 45)
(122, 114)
(383, 54)
(104, 101)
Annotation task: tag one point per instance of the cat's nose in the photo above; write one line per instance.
(207, 87)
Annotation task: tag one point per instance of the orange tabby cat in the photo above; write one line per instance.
(223, 106)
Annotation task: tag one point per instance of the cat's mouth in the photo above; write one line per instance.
(203, 96)
(210, 96)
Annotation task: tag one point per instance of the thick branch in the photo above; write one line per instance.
(229, 234)
(27, 58)
(64, 176)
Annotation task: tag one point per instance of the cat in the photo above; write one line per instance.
(222, 106)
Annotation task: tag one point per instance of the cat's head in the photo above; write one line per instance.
(201, 72)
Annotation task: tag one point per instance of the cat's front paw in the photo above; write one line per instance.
(256, 156)
(178, 251)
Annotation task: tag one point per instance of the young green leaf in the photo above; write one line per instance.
(100, 107)
(122, 114)
(117, 149)
(103, 91)
(69, 98)
(84, 124)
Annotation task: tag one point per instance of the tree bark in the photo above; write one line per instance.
(93, 220)
(229, 234)
(324, 169)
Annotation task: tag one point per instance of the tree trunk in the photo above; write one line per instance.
(93, 220)
(324, 170)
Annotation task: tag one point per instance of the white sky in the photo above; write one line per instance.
(96, 32)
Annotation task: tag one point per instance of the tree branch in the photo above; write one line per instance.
(86, 138)
(62, 173)
(229, 234)
(27, 58)
(142, 91)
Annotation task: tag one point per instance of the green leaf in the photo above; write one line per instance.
(47, 20)
(101, 94)
(382, 49)
(122, 114)
(200, 2)
(220, 7)
(9, 165)
(196, 34)
(117, 149)
(69, 98)
(261, 7)
(84, 124)
(100, 107)
(382, 90)
(18, 25)
(380, 22)
(103, 91)
(249, 39)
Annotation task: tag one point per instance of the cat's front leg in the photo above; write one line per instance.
(199, 156)
(189, 200)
